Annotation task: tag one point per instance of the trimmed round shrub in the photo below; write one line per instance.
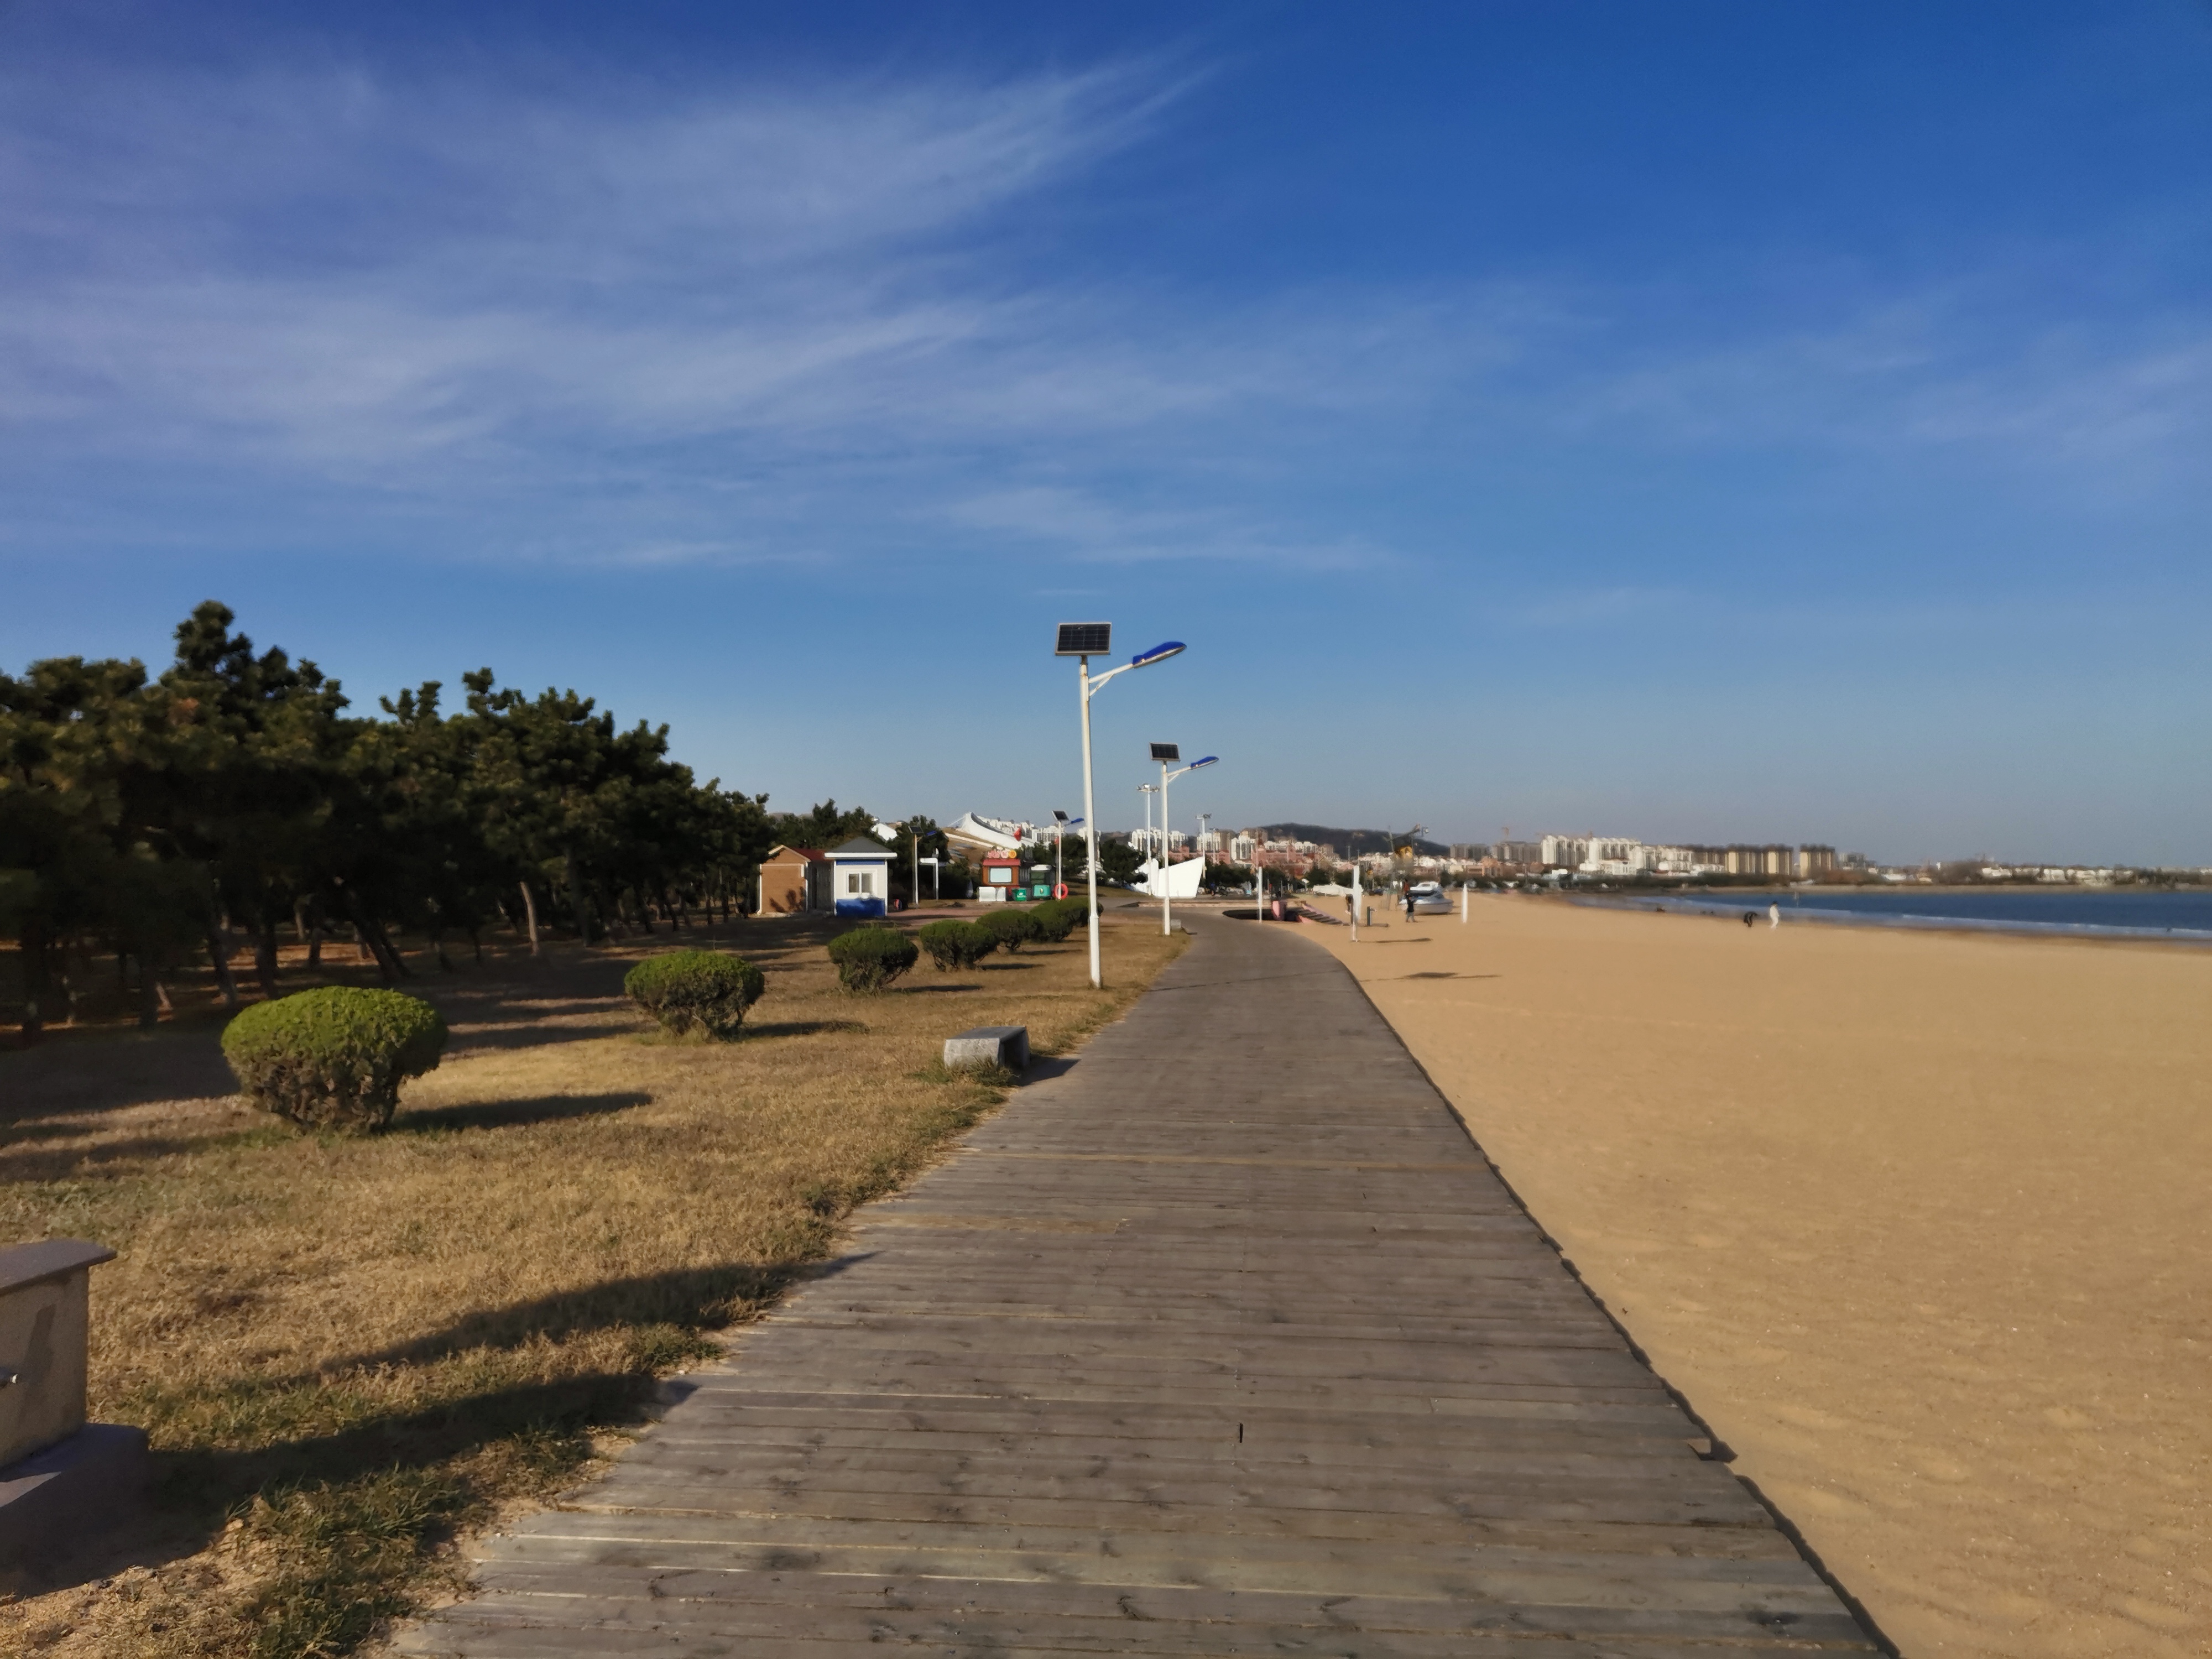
(955, 945)
(335, 1058)
(705, 992)
(1058, 918)
(869, 958)
(1015, 928)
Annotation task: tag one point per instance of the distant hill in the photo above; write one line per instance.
(1350, 842)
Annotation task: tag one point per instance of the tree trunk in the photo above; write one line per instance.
(388, 963)
(149, 991)
(576, 899)
(530, 910)
(31, 952)
(265, 958)
(387, 954)
(219, 953)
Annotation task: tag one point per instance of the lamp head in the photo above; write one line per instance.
(1208, 761)
(1157, 653)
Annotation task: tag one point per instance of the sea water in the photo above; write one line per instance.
(2107, 912)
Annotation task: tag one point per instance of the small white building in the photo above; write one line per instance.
(860, 877)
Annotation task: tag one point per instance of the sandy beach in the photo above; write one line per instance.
(1917, 1223)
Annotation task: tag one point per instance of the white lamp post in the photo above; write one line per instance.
(1163, 753)
(1085, 641)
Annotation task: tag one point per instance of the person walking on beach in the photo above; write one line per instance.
(1409, 903)
(1774, 916)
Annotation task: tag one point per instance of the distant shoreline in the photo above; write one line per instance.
(1795, 908)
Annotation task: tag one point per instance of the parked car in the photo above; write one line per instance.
(1430, 900)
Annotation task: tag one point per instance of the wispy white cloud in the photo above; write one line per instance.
(764, 305)
(1089, 528)
(1969, 367)
(251, 263)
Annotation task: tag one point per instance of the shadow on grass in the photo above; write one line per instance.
(688, 1298)
(111, 1158)
(534, 1031)
(507, 1114)
(99, 1070)
(790, 1027)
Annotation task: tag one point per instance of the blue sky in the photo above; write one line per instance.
(1706, 421)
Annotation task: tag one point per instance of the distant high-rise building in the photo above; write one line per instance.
(1563, 852)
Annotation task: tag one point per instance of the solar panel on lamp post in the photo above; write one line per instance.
(1085, 641)
(1164, 752)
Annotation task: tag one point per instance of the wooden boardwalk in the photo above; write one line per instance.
(1227, 1341)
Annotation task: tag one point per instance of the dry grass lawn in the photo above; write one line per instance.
(349, 1350)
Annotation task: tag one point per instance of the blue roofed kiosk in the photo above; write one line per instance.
(860, 877)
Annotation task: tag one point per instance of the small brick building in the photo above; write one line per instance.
(793, 880)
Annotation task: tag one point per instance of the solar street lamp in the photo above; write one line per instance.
(1165, 753)
(1085, 641)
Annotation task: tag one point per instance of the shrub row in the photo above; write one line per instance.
(333, 1058)
(1061, 917)
(954, 945)
(870, 959)
(705, 992)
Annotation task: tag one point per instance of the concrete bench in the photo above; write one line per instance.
(61, 1479)
(990, 1045)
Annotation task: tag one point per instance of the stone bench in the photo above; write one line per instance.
(62, 1481)
(990, 1045)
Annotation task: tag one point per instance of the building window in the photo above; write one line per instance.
(857, 883)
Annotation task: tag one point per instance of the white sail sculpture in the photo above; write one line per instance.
(1181, 881)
